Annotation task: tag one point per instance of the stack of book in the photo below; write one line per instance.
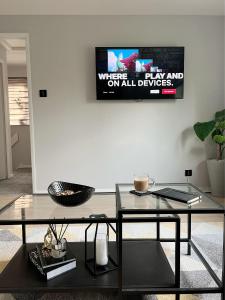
(50, 267)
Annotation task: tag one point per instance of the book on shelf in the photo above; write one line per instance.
(178, 195)
(49, 261)
(51, 271)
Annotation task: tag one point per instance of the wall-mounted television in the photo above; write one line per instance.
(139, 73)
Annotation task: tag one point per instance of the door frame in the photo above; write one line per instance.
(7, 154)
(26, 37)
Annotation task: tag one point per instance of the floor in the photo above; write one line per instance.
(20, 183)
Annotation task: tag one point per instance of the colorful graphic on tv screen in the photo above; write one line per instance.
(144, 65)
(127, 60)
(122, 60)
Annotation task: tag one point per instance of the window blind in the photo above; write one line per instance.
(18, 101)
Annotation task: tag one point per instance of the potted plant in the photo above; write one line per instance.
(216, 129)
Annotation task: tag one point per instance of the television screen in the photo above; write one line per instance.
(139, 73)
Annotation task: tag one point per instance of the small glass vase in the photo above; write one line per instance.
(58, 248)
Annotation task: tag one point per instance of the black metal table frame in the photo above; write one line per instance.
(174, 219)
(220, 289)
(119, 220)
(23, 222)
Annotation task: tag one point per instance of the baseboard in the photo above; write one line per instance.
(205, 189)
(40, 191)
(96, 190)
(22, 166)
(105, 190)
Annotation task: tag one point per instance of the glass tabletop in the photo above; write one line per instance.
(6, 199)
(130, 201)
(42, 207)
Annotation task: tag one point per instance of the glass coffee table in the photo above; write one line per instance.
(19, 276)
(148, 208)
(143, 266)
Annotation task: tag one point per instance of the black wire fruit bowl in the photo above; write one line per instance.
(69, 194)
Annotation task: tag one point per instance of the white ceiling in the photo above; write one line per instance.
(112, 7)
(16, 51)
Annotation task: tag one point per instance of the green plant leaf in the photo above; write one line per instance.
(216, 132)
(220, 115)
(219, 139)
(221, 125)
(202, 130)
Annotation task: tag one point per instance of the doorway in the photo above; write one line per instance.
(3, 159)
(18, 175)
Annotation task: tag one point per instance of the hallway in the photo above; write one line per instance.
(20, 183)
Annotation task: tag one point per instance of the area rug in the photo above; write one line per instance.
(208, 237)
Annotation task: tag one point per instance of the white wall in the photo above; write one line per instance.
(3, 161)
(21, 156)
(5, 140)
(99, 143)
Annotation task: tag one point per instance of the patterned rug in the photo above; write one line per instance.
(208, 237)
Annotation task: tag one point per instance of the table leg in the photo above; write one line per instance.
(158, 222)
(189, 233)
(158, 229)
(23, 216)
(177, 255)
(24, 233)
(177, 297)
(120, 253)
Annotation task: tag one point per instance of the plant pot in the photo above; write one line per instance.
(216, 176)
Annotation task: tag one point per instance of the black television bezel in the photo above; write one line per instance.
(167, 97)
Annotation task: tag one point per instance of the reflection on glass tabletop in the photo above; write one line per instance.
(152, 202)
(42, 207)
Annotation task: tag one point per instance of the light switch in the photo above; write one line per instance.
(42, 93)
